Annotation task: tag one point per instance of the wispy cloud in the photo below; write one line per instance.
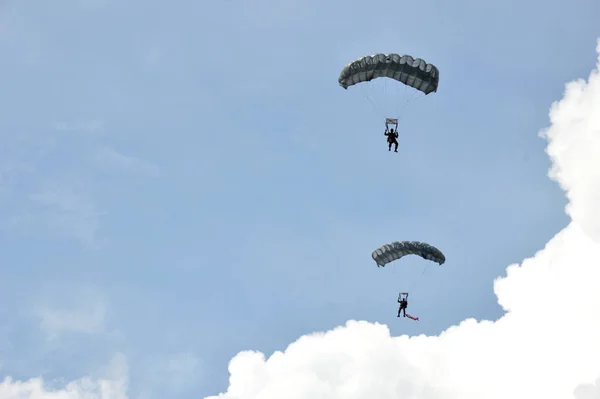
(83, 126)
(182, 369)
(9, 176)
(64, 211)
(81, 312)
(47, 182)
(87, 321)
(171, 375)
(110, 159)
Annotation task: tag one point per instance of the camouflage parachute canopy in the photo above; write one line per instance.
(413, 72)
(396, 250)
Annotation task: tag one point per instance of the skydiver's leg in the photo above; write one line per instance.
(396, 144)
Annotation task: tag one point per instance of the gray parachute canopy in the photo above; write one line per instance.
(413, 72)
(396, 250)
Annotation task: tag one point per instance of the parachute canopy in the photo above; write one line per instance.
(396, 250)
(413, 72)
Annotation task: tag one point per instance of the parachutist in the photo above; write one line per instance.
(398, 249)
(403, 301)
(391, 138)
(412, 72)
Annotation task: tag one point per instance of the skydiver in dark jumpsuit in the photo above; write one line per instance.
(403, 303)
(391, 138)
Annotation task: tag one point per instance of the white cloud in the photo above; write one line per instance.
(588, 391)
(574, 148)
(112, 385)
(546, 346)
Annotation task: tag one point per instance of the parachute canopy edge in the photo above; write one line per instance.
(413, 72)
(398, 249)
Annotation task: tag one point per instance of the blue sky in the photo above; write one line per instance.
(182, 181)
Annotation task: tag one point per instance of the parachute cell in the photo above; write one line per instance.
(413, 72)
(396, 250)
